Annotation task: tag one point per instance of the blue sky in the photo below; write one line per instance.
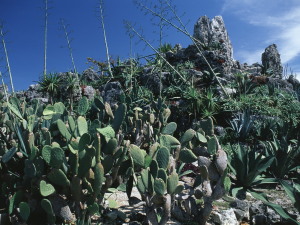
(252, 26)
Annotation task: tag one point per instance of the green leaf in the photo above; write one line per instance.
(49, 110)
(187, 136)
(168, 141)
(201, 137)
(237, 190)
(9, 154)
(108, 132)
(14, 201)
(227, 184)
(187, 156)
(82, 125)
(169, 128)
(24, 210)
(63, 129)
(112, 204)
(212, 145)
(137, 155)
(93, 209)
(119, 117)
(159, 186)
(15, 110)
(172, 183)
(83, 106)
(46, 189)
(163, 157)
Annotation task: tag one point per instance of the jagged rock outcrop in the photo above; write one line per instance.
(111, 92)
(89, 76)
(215, 43)
(154, 80)
(271, 61)
(33, 92)
(88, 91)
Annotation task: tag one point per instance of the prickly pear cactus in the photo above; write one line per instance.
(211, 160)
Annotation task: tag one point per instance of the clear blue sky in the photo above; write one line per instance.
(252, 25)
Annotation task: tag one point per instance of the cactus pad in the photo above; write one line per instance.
(54, 156)
(159, 186)
(46, 189)
(187, 156)
(169, 128)
(163, 157)
(82, 125)
(172, 183)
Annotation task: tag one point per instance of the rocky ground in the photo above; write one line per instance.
(226, 211)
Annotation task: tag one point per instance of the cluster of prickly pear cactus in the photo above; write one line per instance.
(62, 155)
(66, 163)
(155, 165)
(202, 148)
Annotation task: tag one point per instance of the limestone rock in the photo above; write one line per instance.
(215, 42)
(88, 91)
(271, 61)
(89, 76)
(33, 93)
(111, 92)
(225, 217)
(212, 33)
(153, 81)
(241, 209)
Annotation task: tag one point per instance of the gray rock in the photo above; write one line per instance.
(225, 217)
(111, 92)
(89, 76)
(153, 82)
(219, 131)
(214, 40)
(241, 209)
(229, 91)
(33, 92)
(280, 83)
(292, 80)
(273, 217)
(89, 92)
(259, 219)
(257, 211)
(271, 61)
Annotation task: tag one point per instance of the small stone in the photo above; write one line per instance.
(225, 217)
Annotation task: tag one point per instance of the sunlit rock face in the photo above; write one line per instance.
(271, 61)
(214, 41)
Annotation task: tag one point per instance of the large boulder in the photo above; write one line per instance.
(111, 92)
(89, 76)
(215, 43)
(33, 92)
(271, 61)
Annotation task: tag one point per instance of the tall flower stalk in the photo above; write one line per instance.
(45, 38)
(66, 33)
(104, 36)
(6, 57)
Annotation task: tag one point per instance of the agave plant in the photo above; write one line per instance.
(247, 165)
(285, 154)
(50, 84)
(242, 125)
